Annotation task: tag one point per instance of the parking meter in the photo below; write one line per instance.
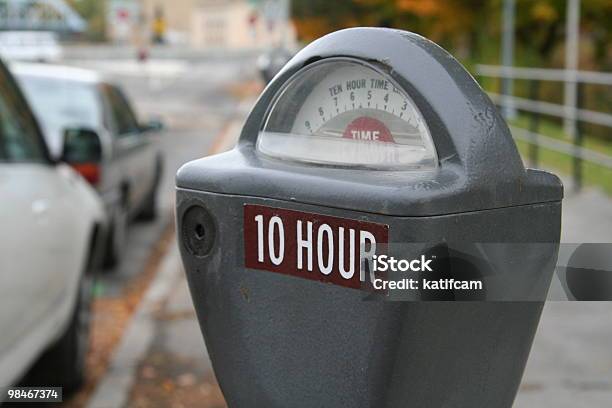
(367, 137)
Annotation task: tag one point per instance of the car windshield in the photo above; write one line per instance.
(19, 137)
(60, 103)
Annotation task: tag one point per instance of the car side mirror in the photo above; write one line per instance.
(82, 149)
(153, 125)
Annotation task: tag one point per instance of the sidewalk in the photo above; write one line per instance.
(176, 371)
(587, 216)
(571, 360)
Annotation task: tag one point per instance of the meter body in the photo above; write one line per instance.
(367, 138)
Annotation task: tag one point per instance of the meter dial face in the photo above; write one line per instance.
(347, 113)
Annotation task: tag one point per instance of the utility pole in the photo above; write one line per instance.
(507, 89)
(570, 93)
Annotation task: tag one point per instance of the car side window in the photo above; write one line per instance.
(122, 115)
(20, 140)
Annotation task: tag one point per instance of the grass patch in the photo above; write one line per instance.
(553, 129)
(593, 174)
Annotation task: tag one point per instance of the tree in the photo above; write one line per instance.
(470, 28)
(94, 12)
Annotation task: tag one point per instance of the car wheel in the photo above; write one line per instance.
(149, 208)
(115, 244)
(63, 364)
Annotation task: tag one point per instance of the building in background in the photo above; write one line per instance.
(238, 24)
(205, 24)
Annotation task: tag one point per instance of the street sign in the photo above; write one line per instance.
(311, 246)
(122, 19)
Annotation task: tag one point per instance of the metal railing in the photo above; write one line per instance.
(537, 108)
(544, 74)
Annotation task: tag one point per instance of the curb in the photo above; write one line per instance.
(114, 388)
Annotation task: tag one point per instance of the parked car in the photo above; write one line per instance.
(52, 230)
(128, 174)
(41, 46)
(272, 61)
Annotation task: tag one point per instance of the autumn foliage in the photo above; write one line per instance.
(470, 28)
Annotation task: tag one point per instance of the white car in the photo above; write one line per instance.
(52, 223)
(30, 46)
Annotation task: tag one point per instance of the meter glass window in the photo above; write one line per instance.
(347, 113)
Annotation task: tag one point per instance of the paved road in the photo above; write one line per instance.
(571, 361)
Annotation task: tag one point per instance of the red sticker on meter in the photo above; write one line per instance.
(368, 129)
(311, 246)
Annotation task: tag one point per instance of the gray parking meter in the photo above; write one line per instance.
(368, 137)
